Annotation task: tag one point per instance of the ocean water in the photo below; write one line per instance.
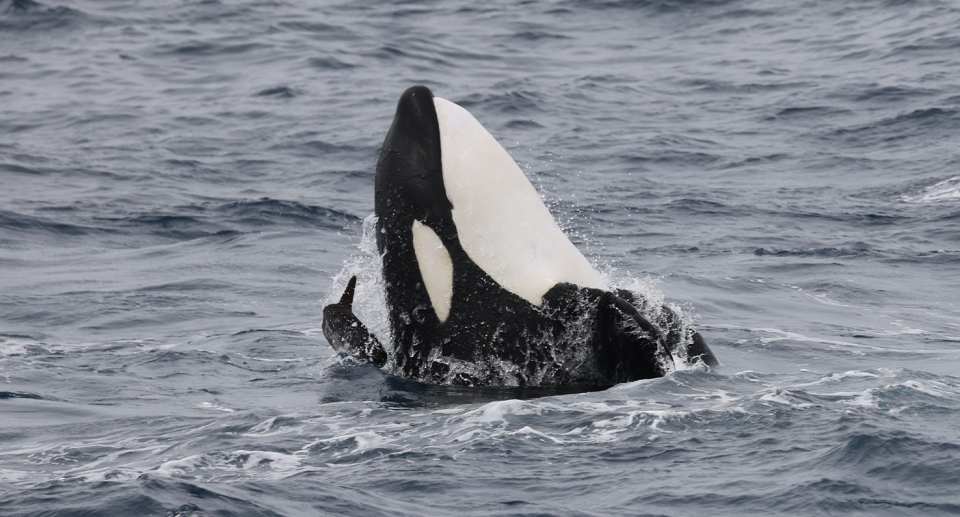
(183, 184)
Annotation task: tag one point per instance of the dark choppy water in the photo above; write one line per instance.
(180, 181)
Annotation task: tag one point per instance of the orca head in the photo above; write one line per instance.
(444, 181)
(415, 230)
(409, 181)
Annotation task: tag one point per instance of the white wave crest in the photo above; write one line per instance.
(946, 190)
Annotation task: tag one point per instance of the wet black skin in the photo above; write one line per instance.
(347, 334)
(578, 336)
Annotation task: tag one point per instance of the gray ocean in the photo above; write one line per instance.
(183, 186)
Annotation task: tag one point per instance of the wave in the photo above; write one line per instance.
(863, 250)
(32, 16)
(206, 48)
(945, 190)
(810, 112)
(329, 63)
(889, 94)
(13, 222)
(918, 124)
(690, 420)
(187, 223)
(513, 102)
(661, 6)
(18, 395)
(318, 28)
(274, 212)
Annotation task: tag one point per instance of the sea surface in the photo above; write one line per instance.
(183, 186)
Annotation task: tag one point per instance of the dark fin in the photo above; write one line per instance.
(346, 333)
(347, 298)
(638, 301)
(629, 347)
(676, 336)
(698, 349)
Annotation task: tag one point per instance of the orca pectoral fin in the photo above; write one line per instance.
(346, 333)
(698, 349)
(677, 336)
(674, 331)
(629, 347)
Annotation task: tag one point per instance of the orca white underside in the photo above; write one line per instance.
(502, 223)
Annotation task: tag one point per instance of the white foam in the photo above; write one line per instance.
(782, 397)
(864, 399)
(10, 476)
(13, 346)
(783, 335)
(529, 431)
(370, 298)
(616, 422)
(368, 440)
(946, 190)
(7, 349)
(265, 428)
(211, 405)
(179, 467)
(822, 298)
(930, 388)
(294, 360)
(498, 411)
(236, 460)
(449, 411)
(502, 223)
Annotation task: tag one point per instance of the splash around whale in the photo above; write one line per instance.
(482, 286)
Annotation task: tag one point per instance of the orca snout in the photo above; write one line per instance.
(415, 121)
(417, 103)
(409, 182)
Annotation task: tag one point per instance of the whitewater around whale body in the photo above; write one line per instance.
(482, 286)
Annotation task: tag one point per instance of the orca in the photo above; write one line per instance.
(482, 286)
